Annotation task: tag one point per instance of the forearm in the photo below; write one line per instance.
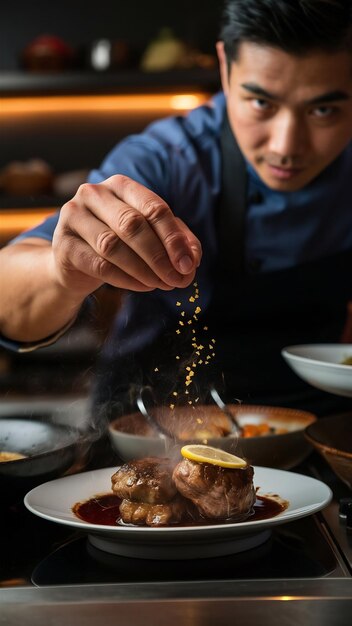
(117, 233)
(33, 305)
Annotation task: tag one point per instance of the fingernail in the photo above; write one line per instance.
(185, 264)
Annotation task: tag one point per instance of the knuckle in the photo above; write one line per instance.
(86, 189)
(106, 243)
(119, 183)
(158, 259)
(130, 223)
(100, 267)
(121, 179)
(174, 239)
(155, 209)
(67, 209)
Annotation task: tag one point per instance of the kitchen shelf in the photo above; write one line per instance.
(128, 81)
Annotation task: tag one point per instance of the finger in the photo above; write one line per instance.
(193, 241)
(160, 218)
(107, 245)
(82, 259)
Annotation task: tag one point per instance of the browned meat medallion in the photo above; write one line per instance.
(217, 492)
(155, 514)
(146, 480)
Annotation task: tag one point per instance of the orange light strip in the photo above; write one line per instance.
(93, 103)
(15, 221)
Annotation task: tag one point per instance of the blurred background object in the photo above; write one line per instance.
(47, 53)
(332, 438)
(20, 178)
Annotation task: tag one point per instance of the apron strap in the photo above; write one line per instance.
(232, 203)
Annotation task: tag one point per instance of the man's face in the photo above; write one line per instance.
(292, 115)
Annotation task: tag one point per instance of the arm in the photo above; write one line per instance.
(116, 232)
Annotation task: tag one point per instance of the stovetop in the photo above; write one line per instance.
(39, 553)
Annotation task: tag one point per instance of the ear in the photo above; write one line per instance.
(224, 72)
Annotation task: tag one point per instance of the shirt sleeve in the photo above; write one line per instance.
(17, 346)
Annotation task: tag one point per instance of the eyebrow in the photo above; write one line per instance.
(331, 96)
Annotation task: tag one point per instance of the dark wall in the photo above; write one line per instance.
(80, 22)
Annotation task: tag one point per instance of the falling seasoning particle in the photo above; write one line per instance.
(198, 309)
(178, 303)
(190, 402)
(156, 369)
(181, 323)
(174, 393)
(189, 322)
(178, 358)
(191, 299)
(205, 327)
(182, 313)
(178, 331)
(172, 406)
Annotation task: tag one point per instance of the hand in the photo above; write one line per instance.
(121, 233)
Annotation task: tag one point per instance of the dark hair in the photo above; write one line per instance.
(295, 26)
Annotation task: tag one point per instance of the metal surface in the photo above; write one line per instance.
(325, 602)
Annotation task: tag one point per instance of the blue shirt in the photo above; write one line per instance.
(179, 158)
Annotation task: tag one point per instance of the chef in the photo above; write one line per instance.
(236, 217)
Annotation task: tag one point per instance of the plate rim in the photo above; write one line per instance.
(241, 527)
(305, 359)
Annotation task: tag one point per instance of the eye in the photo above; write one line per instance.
(323, 112)
(260, 104)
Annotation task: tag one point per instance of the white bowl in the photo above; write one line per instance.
(321, 365)
(283, 451)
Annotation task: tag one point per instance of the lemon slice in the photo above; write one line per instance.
(214, 456)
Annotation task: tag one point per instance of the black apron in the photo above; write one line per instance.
(258, 314)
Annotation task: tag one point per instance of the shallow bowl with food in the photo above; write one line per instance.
(332, 438)
(324, 366)
(270, 437)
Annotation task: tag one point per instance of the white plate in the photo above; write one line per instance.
(54, 500)
(321, 366)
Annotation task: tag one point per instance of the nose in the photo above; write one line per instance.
(288, 136)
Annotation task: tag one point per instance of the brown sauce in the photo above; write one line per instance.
(105, 510)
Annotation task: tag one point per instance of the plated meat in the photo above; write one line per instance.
(145, 480)
(156, 493)
(216, 491)
(154, 514)
(148, 492)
